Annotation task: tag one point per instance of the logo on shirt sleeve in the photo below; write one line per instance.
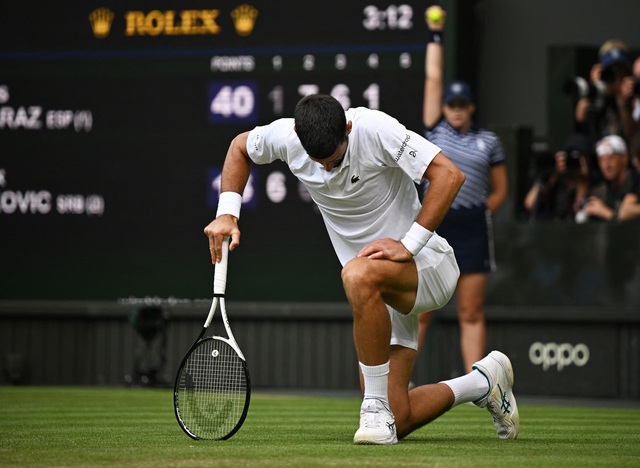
(403, 147)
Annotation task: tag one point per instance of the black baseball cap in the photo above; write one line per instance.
(457, 91)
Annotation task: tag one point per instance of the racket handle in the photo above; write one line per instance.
(220, 275)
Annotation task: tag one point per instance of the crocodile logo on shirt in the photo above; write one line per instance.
(355, 179)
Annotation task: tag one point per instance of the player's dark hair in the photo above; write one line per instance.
(321, 124)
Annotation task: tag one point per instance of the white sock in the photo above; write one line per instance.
(470, 387)
(376, 379)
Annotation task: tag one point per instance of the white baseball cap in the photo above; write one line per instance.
(611, 144)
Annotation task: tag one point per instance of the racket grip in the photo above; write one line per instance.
(220, 275)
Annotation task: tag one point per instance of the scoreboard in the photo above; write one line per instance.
(115, 118)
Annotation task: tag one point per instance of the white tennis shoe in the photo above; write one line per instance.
(377, 425)
(500, 402)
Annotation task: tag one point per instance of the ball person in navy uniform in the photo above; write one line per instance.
(448, 118)
(360, 167)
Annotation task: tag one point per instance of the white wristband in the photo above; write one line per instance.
(229, 203)
(416, 238)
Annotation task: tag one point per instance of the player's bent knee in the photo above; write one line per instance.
(358, 279)
(354, 272)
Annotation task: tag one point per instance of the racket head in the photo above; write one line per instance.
(212, 390)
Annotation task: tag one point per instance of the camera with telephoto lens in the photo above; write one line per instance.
(573, 160)
(619, 71)
(615, 71)
(578, 87)
(577, 146)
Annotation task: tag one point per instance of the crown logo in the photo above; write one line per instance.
(244, 19)
(100, 20)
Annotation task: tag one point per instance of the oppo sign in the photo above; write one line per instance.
(558, 355)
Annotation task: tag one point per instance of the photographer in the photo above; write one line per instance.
(558, 194)
(606, 107)
(621, 186)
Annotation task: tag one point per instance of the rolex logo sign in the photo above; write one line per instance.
(173, 22)
(101, 19)
(244, 19)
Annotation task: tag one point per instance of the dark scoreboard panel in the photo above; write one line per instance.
(115, 118)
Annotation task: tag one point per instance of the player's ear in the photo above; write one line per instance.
(349, 127)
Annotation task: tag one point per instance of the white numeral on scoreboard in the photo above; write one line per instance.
(342, 94)
(231, 101)
(372, 95)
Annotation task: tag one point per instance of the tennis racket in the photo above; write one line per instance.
(212, 389)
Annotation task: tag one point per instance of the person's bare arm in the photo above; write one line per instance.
(597, 208)
(432, 99)
(532, 196)
(237, 165)
(235, 174)
(445, 180)
(498, 191)
(629, 208)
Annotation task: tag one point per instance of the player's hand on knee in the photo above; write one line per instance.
(386, 249)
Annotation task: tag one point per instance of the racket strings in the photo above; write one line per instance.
(212, 390)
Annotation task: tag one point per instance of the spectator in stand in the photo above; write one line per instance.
(448, 118)
(609, 109)
(560, 194)
(620, 201)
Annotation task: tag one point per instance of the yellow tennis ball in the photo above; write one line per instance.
(434, 15)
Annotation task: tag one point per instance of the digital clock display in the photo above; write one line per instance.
(115, 120)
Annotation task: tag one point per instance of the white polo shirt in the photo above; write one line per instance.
(371, 195)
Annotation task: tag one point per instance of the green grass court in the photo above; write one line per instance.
(85, 427)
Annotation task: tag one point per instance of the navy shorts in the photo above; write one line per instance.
(469, 231)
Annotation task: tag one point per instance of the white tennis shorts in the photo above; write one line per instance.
(437, 278)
